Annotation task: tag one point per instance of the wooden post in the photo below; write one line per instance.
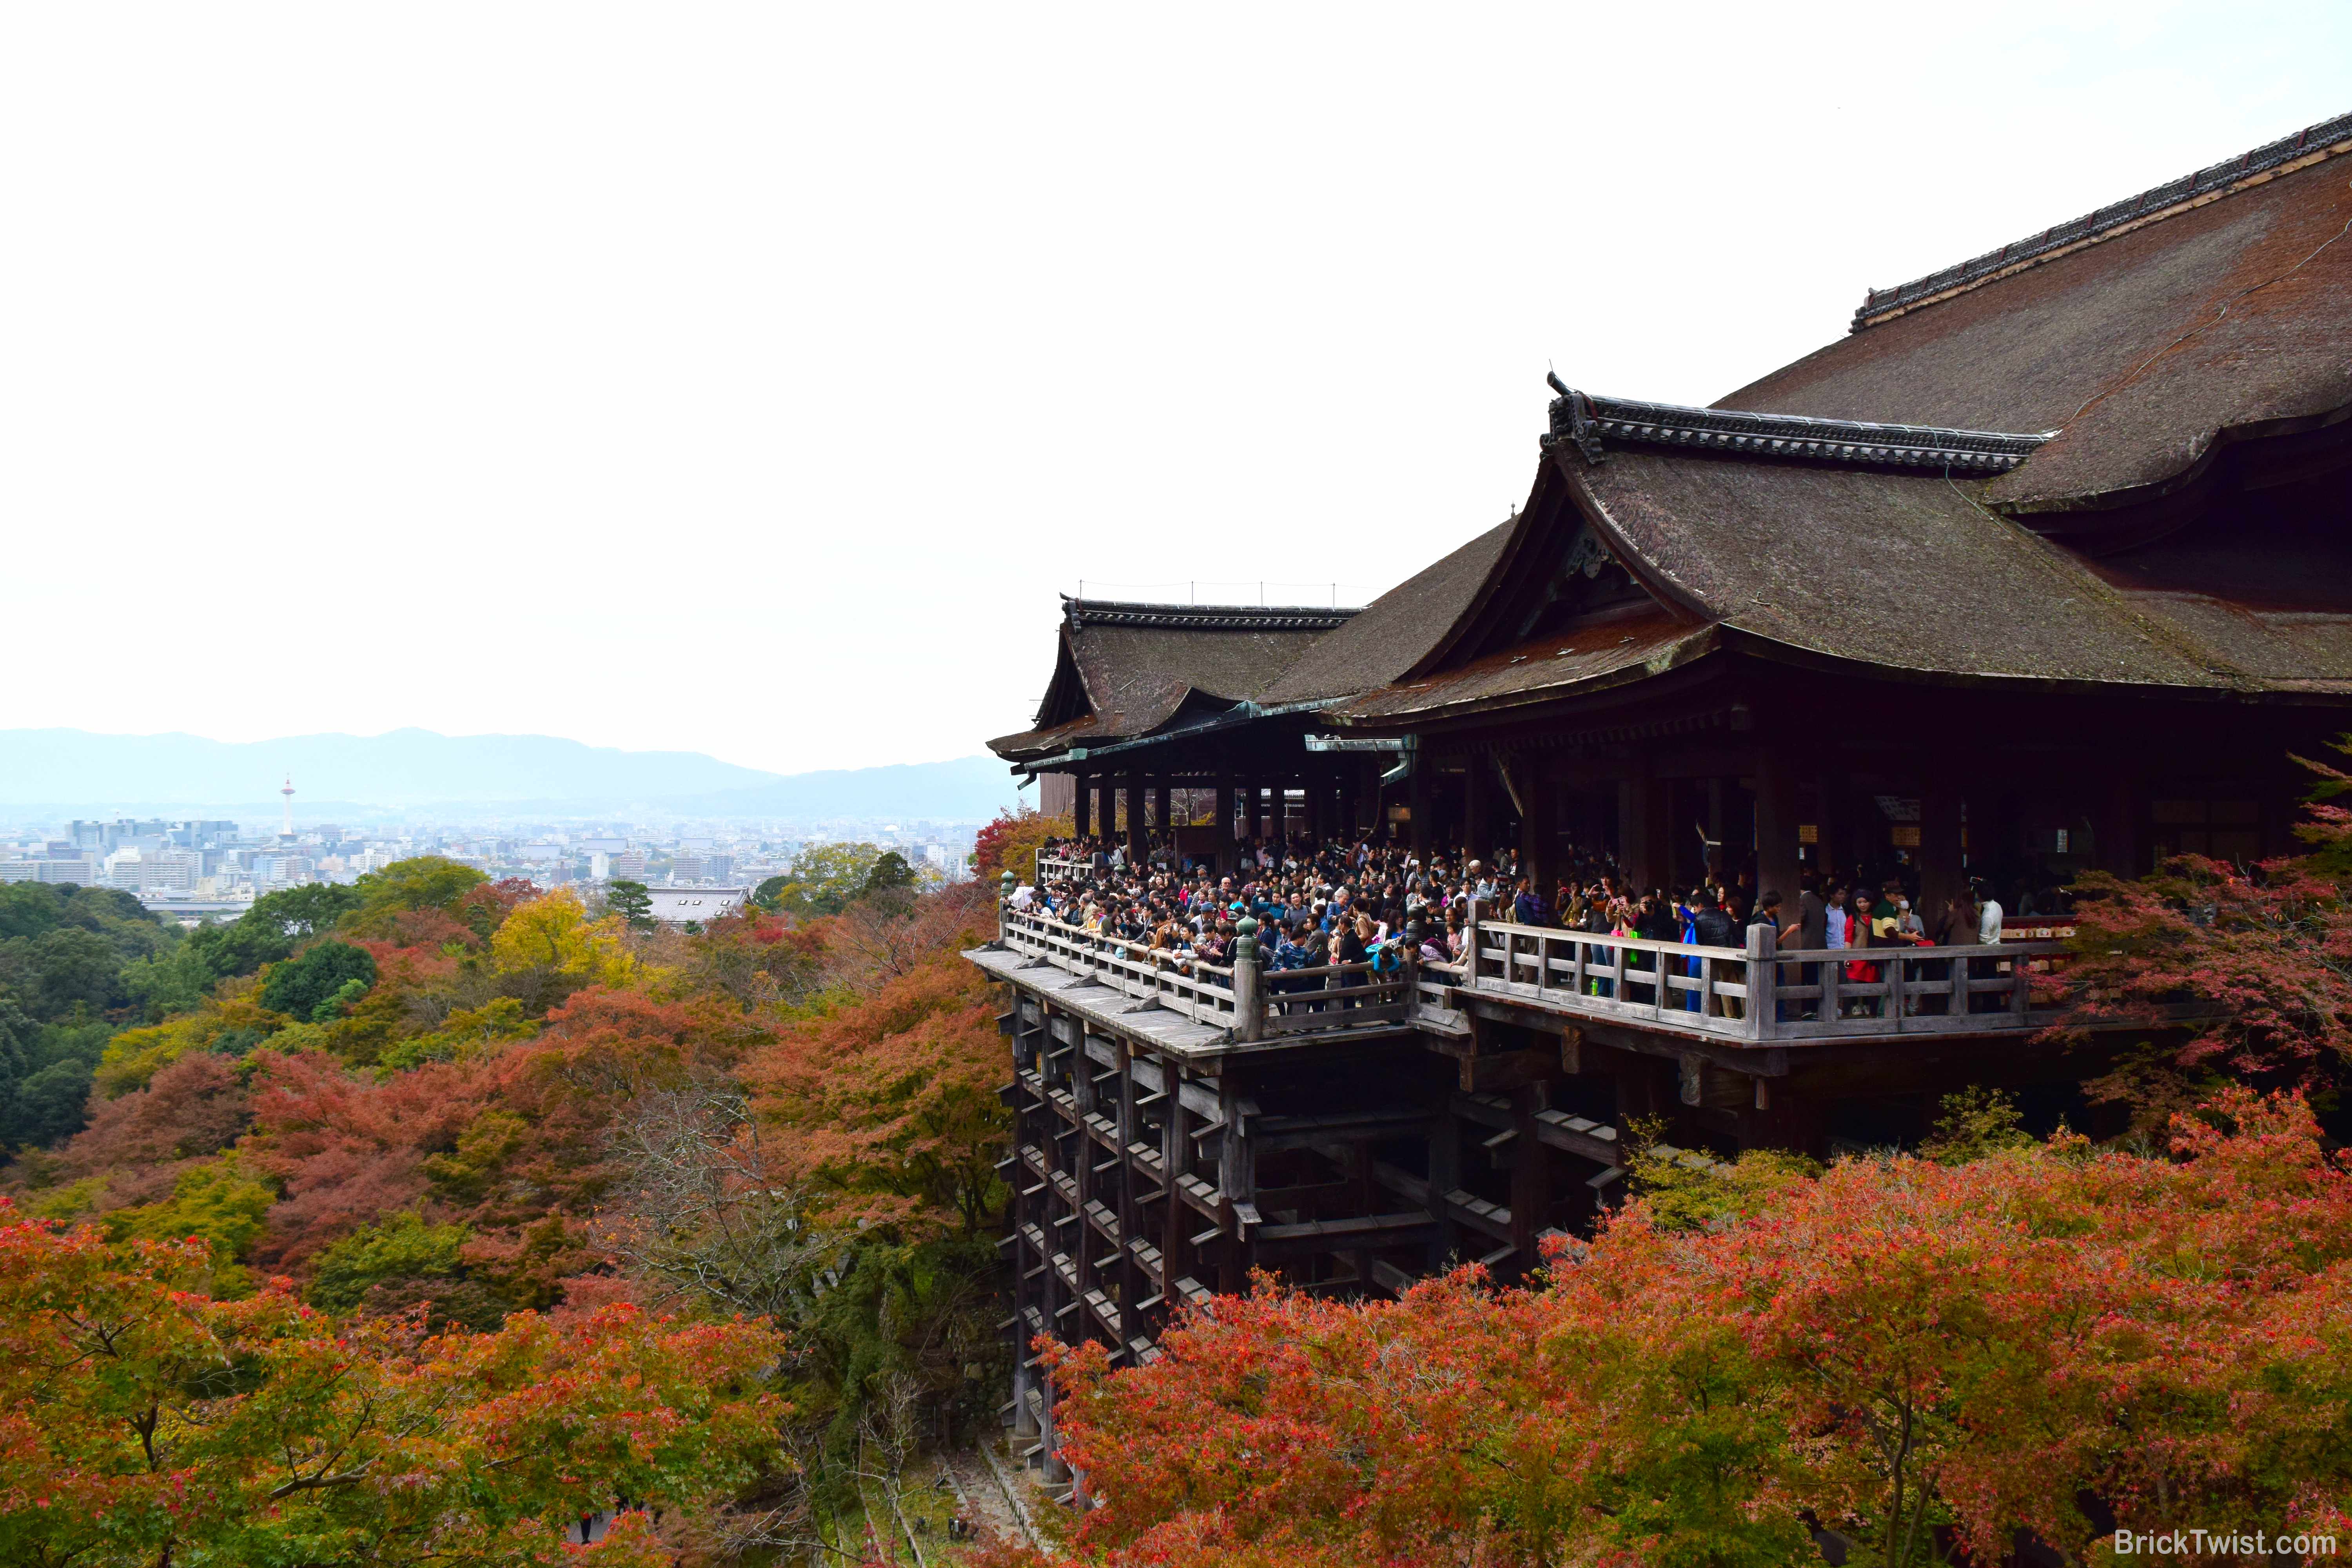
(1177, 1221)
(1834, 820)
(1642, 811)
(1159, 818)
(1941, 875)
(1445, 1175)
(1130, 1218)
(1237, 1179)
(1228, 844)
(1775, 830)
(1135, 839)
(1531, 1174)
(1416, 798)
(1249, 1003)
(1474, 815)
(1763, 980)
(2119, 828)
(1082, 805)
(1527, 772)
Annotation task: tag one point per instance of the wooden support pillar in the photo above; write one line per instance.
(1531, 1174)
(1159, 818)
(1941, 875)
(2121, 848)
(1718, 859)
(1775, 830)
(1318, 806)
(1643, 809)
(1135, 839)
(1349, 821)
(1417, 805)
(1832, 822)
(1445, 1175)
(1474, 803)
(1228, 842)
(1082, 804)
(1237, 1179)
(1178, 1221)
(1132, 1282)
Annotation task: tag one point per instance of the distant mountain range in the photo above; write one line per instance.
(408, 769)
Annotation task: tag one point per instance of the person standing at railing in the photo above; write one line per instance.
(1528, 906)
(1348, 946)
(1863, 931)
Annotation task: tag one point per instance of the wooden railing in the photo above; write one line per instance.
(1751, 995)
(1199, 991)
(1760, 993)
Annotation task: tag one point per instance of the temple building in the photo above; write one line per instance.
(2045, 566)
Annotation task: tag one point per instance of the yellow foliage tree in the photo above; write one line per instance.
(135, 1056)
(554, 932)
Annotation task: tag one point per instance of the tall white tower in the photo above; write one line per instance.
(287, 829)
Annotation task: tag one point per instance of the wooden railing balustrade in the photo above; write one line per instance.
(1752, 995)
(1762, 992)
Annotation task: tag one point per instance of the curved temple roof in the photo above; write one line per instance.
(1868, 506)
(2148, 352)
(1127, 670)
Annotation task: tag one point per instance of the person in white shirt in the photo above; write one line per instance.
(1989, 920)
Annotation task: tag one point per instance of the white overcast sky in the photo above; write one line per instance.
(749, 379)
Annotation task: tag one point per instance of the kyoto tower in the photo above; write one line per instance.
(287, 829)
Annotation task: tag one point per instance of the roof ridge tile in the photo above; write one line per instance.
(1584, 421)
(1082, 613)
(2310, 144)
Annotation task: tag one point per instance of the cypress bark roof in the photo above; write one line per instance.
(1397, 629)
(1126, 669)
(1890, 502)
(2146, 348)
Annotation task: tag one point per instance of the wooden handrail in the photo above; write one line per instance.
(1752, 995)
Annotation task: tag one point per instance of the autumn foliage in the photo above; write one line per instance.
(2215, 973)
(145, 1422)
(350, 1262)
(1921, 1357)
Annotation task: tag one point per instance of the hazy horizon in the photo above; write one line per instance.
(413, 769)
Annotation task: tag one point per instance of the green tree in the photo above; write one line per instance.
(270, 930)
(769, 894)
(889, 874)
(170, 982)
(824, 878)
(1976, 1121)
(402, 1248)
(63, 968)
(316, 987)
(632, 903)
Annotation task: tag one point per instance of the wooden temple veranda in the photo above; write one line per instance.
(2044, 566)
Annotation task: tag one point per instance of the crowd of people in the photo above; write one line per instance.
(1381, 906)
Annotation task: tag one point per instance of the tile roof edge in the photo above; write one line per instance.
(1587, 423)
(2259, 165)
(1080, 614)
